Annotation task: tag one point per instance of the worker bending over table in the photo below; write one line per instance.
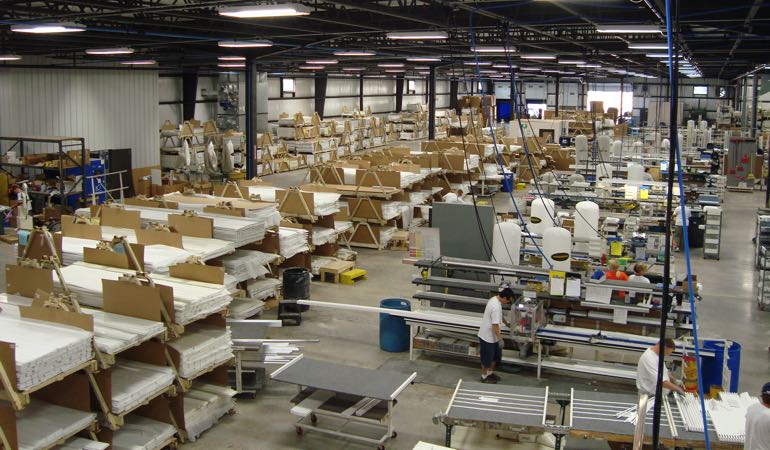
(454, 197)
(490, 336)
(647, 370)
(758, 422)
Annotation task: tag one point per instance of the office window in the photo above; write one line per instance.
(700, 90)
(287, 87)
(411, 87)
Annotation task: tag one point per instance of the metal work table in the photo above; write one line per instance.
(579, 414)
(344, 401)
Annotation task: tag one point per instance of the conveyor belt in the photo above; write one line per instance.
(376, 384)
(512, 405)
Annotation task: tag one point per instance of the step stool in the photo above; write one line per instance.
(335, 269)
(399, 240)
(351, 276)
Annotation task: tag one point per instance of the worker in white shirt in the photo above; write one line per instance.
(490, 337)
(647, 370)
(758, 423)
(679, 225)
(454, 197)
(638, 277)
(647, 176)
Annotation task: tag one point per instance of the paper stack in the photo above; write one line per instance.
(245, 264)
(202, 347)
(204, 404)
(203, 248)
(133, 383)
(141, 433)
(292, 241)
(79, 443)
(263, 288)
(41, 424)
(157, 258)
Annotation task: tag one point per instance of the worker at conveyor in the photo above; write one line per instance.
(638, 277)
(454, 197)
(679, 227)
(614, 273)
(647, 370)
(758, 423)
(490, 337)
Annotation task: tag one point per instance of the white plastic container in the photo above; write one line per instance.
(506, 243)
(586, 220)
(616, 148)
(557, 246)
(581, 148)
(603, 144)
(635, 172)
(603, 170)
(541, 215)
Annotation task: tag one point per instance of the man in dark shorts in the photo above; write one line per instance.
(490, 338)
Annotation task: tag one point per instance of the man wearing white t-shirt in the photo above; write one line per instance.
(758, 423)
(490, 338)
(679, 226)
(647, 370)
(454, 197)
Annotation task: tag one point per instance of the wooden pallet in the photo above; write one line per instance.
(335, 269)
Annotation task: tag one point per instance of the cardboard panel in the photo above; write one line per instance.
(120, 218)
(163, 409)
(150, 237)
(80, 230)
(73, 319)
(123, 297)
(8, 425)
(150, 352)
(74, 392)
(198, 272)
(386, 178)
(192, 226)
(216, 376)
(269, 244)
(25, 281)
(8, 361)
(236, 212)
(365, 208)
(290, 202)
(231, 191)
(133, 201)
(104, 381)
(114, 259)
(38, 248)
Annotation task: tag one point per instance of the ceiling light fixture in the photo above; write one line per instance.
(647, 46)
(504, 66)
(628, 29)
(660, 55)
(256, 43)
(395, 70)
(9, 57)
(231, 58)
(45, 28)
(571, 61)
(492, 49)
(590, 66)
(386, 65)
(311, 67)
(537, 56)
(354, 53)
(417, 35)
(265, 11)
(423, 59)
(530, 69)
(321, 62)
(352, 69)
(480, 63)
(139, 62)
(110, 51)
(232, 65)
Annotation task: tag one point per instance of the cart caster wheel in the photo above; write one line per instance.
(231, 412)
(300, 431)
(313, 419)
(394, 435)
(497, 436)
(380, 447)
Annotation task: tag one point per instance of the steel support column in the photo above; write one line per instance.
(189, 94)
(432, 103)
(754, 105)
(251, 119)
(453, 88)
(557, 94)
(399, 93)
(361, 92)
(321, 80)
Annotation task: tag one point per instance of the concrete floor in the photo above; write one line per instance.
(728, 311)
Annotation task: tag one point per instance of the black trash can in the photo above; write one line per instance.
(296, 286)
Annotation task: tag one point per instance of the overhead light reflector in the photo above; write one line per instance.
(232, 65)
(140, 62)
(321, 62)
(9, 57)
(417, 35)
(45, 28)
(265, 11)
(311, 67)
(423, 59)
(256, 43)
(504, 66)
(648, 46)
(571, 61)
(354, 53)
(537, 56)
(386, 65)
(628, 29)
(231, 58)
(492, 49)
(352, 69)
(110, 51)
(480, 63)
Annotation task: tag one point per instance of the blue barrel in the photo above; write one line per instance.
(507, 182)
(394, 332)
(711, 368)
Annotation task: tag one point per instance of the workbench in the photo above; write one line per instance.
(578, 414)
(344, 401)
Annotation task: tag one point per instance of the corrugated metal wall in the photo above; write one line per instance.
(110, 109)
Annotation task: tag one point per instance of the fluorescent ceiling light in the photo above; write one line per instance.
(44, 28)
(352, 69)
(530, 69)
(417, 35)
(423, 59)
(487, 71)
(571, 61)
(354, 53)
(629, 29)
(110, 51)
(311, 67)
(492, 49)
(661, 55)
(394, 70)
(537, 56)
(421, 68)
(480, 63)
(551, 71)
(9, 57)
(422, 72)
(590, 66)
(139, 62)
(232, 65)
(386, 65)
(263, 11)
(231, 58)
(648, 46)
(321, 62)
(505, 66)
(245, 44)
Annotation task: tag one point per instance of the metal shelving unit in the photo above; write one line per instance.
(761, 234)
(63, 145)
(712, 234)
(763, 281)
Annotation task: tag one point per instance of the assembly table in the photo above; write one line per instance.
(344, 401)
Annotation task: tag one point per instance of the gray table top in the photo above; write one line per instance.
(371, 383)
(511, 405)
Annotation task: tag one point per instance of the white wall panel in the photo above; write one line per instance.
(110, 109)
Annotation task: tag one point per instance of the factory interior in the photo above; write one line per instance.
(401, 224)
